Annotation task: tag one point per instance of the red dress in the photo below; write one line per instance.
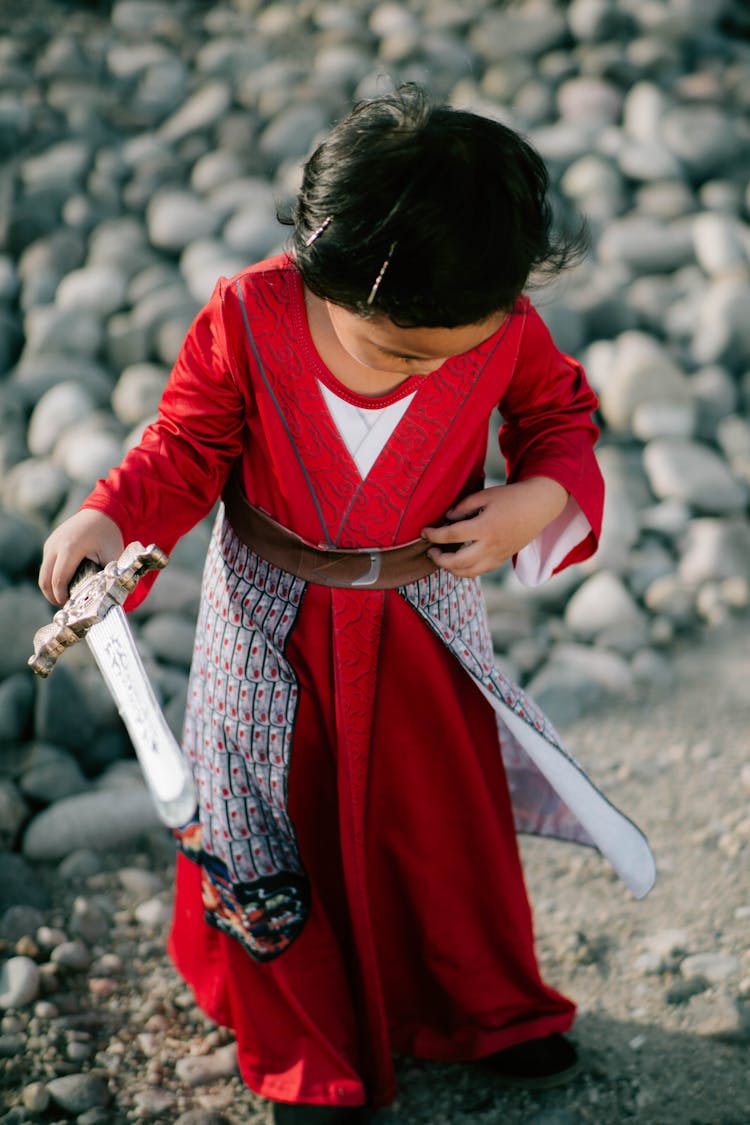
(357, 857)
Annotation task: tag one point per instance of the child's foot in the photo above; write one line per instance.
(536, 1064)
(284, 1114)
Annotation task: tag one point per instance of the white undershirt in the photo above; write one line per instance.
(365, 433)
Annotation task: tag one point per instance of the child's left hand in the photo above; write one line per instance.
(494, 524)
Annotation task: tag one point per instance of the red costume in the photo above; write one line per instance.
(356, 886)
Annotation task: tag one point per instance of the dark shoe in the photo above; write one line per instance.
(286, 1114)
(536, 1064)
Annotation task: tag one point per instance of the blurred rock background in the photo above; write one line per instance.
(144, 147)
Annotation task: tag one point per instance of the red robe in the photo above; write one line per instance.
(358, 886)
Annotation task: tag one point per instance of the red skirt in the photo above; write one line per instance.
(455, 970)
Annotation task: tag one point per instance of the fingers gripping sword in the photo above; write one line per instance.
(94, 611)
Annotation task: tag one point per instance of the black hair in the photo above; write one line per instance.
(464, 199)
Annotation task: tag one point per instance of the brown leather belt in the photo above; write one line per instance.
(366, 568)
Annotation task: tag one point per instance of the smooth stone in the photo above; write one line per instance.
(564, 694)
(88, 920)
(23, 610)
(721, 329)
(63, 164)
(702, 137)
(527, 31)
(86, 453)
(139, 883)
(126, 61)
(290, 134)
(13, 450)
(645, 245)
(597, 185)
(77, 1093)
(154, 913)
(601, 602)
(641, 371)
(713, 967)
(36, 1097)
(715, 395)
(176, 591)
(205, 261)
(138, 392)
(35, 487)
(715, 549)
(19, 982)
(202, 110)
(643, 110)
(16, 706)
(61, 715)
(98, 289)
(103, 819)
(215, 168)
(252, 233)
(670, 597)
(72, 955)
(52, 781)
(664, 420)
(665, 199)
(73, 331)
(590, 99)
(36, 374)
(58, 408)
(651, 164)
(175, 218)
(718, 242)
(733, 437)
(692, 472)
(20, 543)
(80, 864)
(127, 342)
(196, 1070)
(13, 811)
(21, 919)
(651, 669)
(170, 637)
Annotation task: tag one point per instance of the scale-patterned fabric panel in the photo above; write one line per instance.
(238, 733)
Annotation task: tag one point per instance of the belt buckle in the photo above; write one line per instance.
(373, 571)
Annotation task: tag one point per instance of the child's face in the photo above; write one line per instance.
(379, 344)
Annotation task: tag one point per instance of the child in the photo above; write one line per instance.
(351, 885)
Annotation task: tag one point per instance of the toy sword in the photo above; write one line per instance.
(94, 611)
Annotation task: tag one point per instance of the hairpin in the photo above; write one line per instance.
(317, 233)
(379, 278)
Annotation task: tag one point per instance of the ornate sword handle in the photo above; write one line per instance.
(92, 593)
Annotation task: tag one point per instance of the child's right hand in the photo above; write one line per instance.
(88, 534)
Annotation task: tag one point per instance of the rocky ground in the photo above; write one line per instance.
(144, 145)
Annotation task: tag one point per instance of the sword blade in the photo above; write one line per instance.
(162, 762)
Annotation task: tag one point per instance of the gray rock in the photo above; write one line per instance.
(138, 392)
(694, 473)
(170, 637)
(719, 248)
(100, 820)
(175, 218)
(215, 168)
(13, 811)
(503, 34)
(64, 404)
(664, 420)
(601, 602)
(21, 920)
(138, 883)
(98, 289)
(205, 261)
(564, 694)
(72, 331)
(36, 374)
(16, 704)
(672, 597)
(73, 955)
(643, 110)
(252, 233)
(290, 134)
(198, 1069)
(590, 99)
(88, 920)
(23, 610)
(201, 111)
(714, 967)
(77, 1093)
(597, 186)
(154, 913)
(51, 781)
(645, 245)
(721, 329)
(641, 372)
(715, 549)
(715, 394)
(19, 982)
(35, 487)
(702, 137)
(87, 451)
(61, 164)
(61, 714)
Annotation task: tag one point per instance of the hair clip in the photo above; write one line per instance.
(317, 233)
(379, 278)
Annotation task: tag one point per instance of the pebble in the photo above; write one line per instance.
(78, 1093)
(689, 471)
(103, 820)
(196, 1070)
(713, 967)
(19, 982)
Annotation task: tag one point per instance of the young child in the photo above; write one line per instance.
(351, 885)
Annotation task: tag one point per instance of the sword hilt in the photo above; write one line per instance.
(93, 592)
